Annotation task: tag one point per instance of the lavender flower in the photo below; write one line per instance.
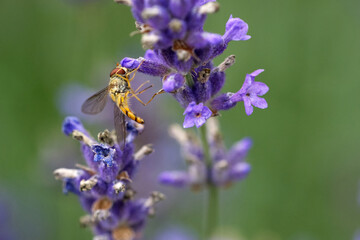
(227, 167)
(181, 53)
(174, 29)
(104, 185)
(196, 115)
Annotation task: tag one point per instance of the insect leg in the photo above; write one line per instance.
(141, 86)
(137, 98)
(138, 93)
(134, 71)
(161, 91)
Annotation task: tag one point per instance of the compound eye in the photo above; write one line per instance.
(121, 71)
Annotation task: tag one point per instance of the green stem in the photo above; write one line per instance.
(212, 208)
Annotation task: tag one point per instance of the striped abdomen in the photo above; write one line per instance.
(131, 115)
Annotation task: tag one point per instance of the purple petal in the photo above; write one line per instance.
(150, 3)
(173, 82)
(184, 96)
(170, 58)
(86, 202)
(71, 124)
(217, 80)
(237, 97)
(196, 40)
(108, 173)
(148, 67)
(258, 88)
(236, 30)
(247, 83)
(174, 178)
(88, 155)
(248, 108)
(213, 39)
(189, 108)
(137, 7)
(223, 102)
(256, 72)
(206, 112)
(188, 122)
(239, 150)
(258, 102)
(239, 171)
(202, 91)
(151, 55)
(179, 8)
(130, 63)
(198, 108)
(199, 121)
(156, 16)
(195, 21)
(156, 39)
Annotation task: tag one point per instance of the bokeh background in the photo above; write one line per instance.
(306, 159)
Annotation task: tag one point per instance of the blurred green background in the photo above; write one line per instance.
(306, 159)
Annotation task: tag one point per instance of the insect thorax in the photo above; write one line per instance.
(118, 85)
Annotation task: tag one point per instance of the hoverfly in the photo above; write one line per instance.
(120, 91)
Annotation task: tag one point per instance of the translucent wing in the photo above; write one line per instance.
(120, 125)
(96, 102)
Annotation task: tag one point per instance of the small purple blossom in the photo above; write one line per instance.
(236, 30)
(104, 185)
(196, 115)
(249, 94)
(72, 123)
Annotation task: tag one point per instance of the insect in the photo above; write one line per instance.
(120, 91)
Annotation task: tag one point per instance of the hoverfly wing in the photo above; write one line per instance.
(120, 125)
(96, 102)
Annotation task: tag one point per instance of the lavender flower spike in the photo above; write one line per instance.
(227, 166)
(104, 185)
(196, 115)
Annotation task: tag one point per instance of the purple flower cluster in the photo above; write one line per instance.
(226, 168)
(181, 53)
(104, 184)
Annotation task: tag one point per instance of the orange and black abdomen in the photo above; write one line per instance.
(131, 115)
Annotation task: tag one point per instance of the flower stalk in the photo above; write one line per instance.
(212, 204)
